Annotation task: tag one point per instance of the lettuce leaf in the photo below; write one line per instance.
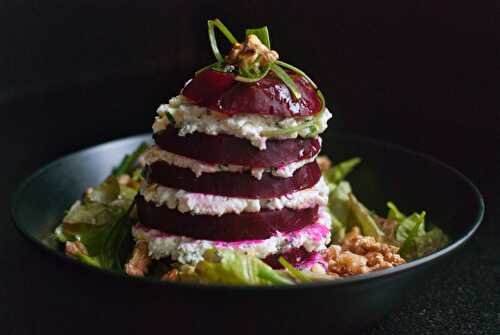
(406, 226)
(431, 241)
(232, 267)
(338, 172)
(364, 219)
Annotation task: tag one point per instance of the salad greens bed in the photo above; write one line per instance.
(101, 222)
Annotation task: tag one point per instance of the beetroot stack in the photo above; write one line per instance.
(234, 167)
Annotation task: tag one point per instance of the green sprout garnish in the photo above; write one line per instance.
(253, 66)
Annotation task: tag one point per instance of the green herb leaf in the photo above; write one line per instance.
(295, 273)
(108, 191)
(262, 33)
(213, 42)
(119, 237)
(253, 79)
(232, 267)
(284, 77)
(296, 70)
(408, 249)
(338, 172)
(223, 29)
(170, 118)
(407, 225)
(364, 219)
(431, 241)
(394, 213)
(129, 161)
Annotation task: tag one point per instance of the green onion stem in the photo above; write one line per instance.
(213, 42)
(296, 70)
(244, 79)
(230, 37)
(293, 271)
(262, 34)
(280, 73)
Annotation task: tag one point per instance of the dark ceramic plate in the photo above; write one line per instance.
(388, 172)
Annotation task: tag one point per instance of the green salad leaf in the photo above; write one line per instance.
(129, 162)
(408, 249)
(232, 267)
(338, 172)
(431, 241)
(411, 231)
(365, 219)
(406, 226)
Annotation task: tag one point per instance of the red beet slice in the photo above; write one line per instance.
(268, 96)
(226, 149)
(228, 227)
(298, 257)
(231, 184)
(208, 85)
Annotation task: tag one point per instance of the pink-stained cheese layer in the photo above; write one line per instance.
(312, 238)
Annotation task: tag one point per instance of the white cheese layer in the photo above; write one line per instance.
(190, 117)
(206, 204)
(186, 250)
(155, 154)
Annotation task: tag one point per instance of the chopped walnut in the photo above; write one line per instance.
(171, 275)
(124, 179)
(361, 254)
(249, 52)
(88, 190)
(324, 163)
(388, 225)
(140, 261)
(74, 248)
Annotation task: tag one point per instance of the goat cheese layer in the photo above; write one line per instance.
(186, 250)
(206, 204)
(155, 153)
(190, 117)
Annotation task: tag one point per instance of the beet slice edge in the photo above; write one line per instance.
(227, 149)
(228, 227)
(233, 184)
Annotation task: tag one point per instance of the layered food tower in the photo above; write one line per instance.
(234, 162)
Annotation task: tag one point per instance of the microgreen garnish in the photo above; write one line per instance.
(253, 59)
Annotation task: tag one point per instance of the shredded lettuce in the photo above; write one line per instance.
(411, 232)
(102, 220)
(338, 172)
(232, 267)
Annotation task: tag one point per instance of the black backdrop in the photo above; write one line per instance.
(425, 75)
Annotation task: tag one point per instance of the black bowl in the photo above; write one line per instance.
(414, 181)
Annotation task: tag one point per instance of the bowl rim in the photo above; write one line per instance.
(454, 245)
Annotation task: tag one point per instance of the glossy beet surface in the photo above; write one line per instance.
(228, 227)
(346, 305)
(226, 149)
(231, 184)
(269, 96)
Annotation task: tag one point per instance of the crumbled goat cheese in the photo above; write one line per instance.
(186, 250)
(190, 117)
(206, 204)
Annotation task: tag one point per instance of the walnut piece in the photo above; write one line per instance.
(171, 275)
(324, 163)
(248, 53)
(74, 248)
(361, 254)
(139, 263)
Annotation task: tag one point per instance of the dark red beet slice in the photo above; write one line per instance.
(232, 184)
(268, 96)
(207, 85)
(298, 257)
(228, 227)
(226, 149)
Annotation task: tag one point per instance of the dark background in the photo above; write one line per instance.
(424, 75)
